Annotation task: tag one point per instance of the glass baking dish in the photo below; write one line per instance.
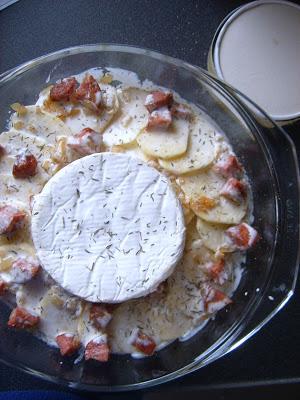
(269, 278)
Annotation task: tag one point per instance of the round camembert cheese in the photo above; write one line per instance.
(108, 228)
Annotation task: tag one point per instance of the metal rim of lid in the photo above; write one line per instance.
(214, 56)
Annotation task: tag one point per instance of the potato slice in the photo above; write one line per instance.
(204, 183)
(201, 150)
(208, 184)
(132, 150)
(6, 260)
(86, 119)
(58, 305)
(12, 189)
(213, 236)
(76, 117)
(162, 321)
(80, 117)
(225, 212)
(131, 118)
(35, 122)
(10, 252)
(15, 250)
(168, 143)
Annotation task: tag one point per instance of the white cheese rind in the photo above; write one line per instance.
(108, 228)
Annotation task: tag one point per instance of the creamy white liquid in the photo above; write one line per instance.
(260, 56)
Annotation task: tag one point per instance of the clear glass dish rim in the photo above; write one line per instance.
(227, 342)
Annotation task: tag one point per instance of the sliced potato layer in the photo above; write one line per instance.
(132, 150)
(225, 212)
(77, 117)
(12, 189)
(206, 185)
(15, 142)
(38, 123)
(213, 235)
(200, 151)
(130, 120)
(168, 143)
(10, 252)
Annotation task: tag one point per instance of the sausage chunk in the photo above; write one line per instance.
(215, 270)
(215, 300)
(89, 93)
(2, 151)
(160, 118)
(100, 316)
(25, 165)
(242, 236)
(97, 349)
(228, 167)
(157, 100)
(24, 269)
(11, 219)
(63, 90)
(3, 287)
(144, 343)
(234, 190)
(86, 142)
(22, 319)
(67, 343)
